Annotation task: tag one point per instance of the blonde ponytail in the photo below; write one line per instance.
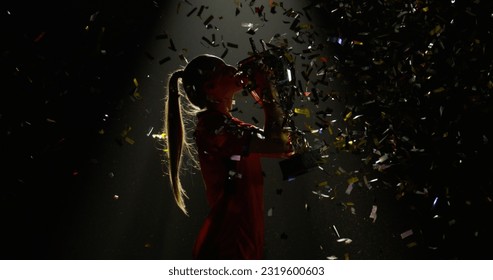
(173, 127)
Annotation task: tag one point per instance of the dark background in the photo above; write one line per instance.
(399, 92)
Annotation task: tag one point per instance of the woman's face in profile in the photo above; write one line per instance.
(223, 82)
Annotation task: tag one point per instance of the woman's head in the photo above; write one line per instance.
(208, 77)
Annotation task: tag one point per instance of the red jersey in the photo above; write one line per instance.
(234, 228)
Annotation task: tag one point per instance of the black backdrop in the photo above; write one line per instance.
(400, 92)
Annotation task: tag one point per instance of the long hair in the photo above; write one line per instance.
(178, 116)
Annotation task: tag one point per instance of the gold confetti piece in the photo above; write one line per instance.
(306, 26)
(309, 127)
(126, 131)
(269, 212)
(136, 83)
(302, 111)
(352, 180)
(348, 115)
(412, 244)
(129, 140)
(378, 61)
(137, 95)
(323, 184)
(435, 30)
(101, 131)
(289, 57)
(438, 90)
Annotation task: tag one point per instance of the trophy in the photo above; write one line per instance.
(279, 59)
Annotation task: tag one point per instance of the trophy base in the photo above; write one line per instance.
(299, 164)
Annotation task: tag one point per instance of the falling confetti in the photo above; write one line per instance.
(373, 214)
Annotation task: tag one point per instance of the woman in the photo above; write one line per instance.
(229, 153)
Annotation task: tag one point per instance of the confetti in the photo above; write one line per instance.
(336, 231)
(373, 214)
(172, 45)
(192, 11)
(407, 233)
(349, 189)
(208, 20)
(235, 157)
(164, 60)
(303, 111)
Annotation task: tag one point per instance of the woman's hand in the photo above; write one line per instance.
(264, 89)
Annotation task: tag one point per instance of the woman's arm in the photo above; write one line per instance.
(276, 141)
